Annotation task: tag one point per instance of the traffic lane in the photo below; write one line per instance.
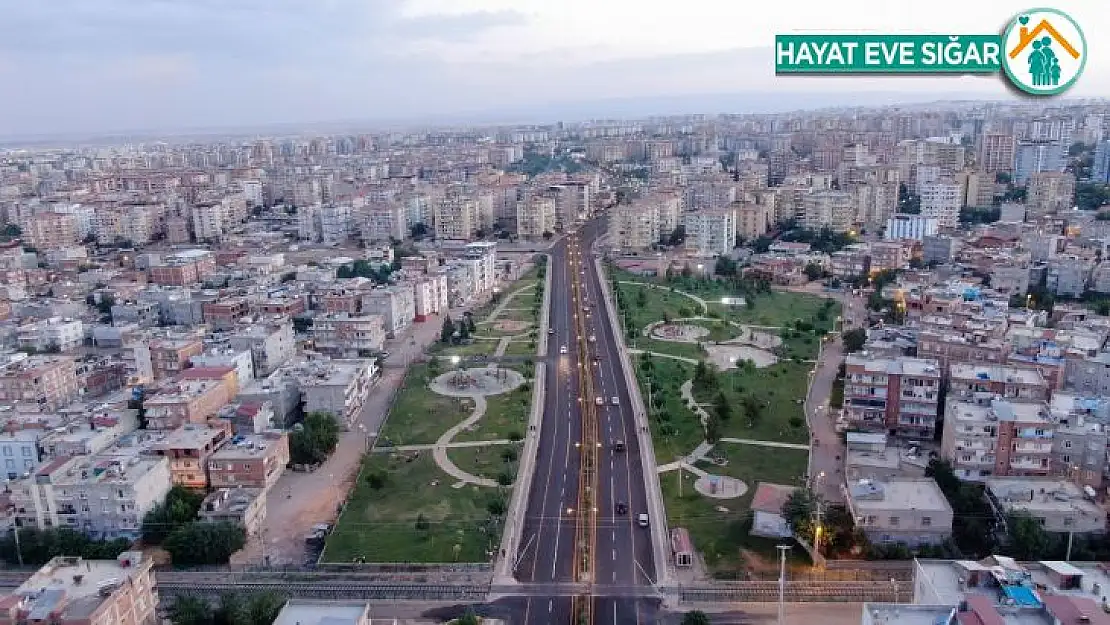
(621, 611)
(540, 611)
(611, 372)
(544, 527)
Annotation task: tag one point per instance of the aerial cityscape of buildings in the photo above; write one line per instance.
(259, 331)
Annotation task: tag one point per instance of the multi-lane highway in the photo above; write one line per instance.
(619, 549)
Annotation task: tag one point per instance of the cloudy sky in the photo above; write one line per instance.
(110, 65)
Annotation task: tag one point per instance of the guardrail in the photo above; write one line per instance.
(796, 592)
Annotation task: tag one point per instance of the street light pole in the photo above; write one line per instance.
(782, 579)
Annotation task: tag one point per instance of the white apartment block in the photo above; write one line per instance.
(634, 226)
(710, 233)
(56, 333)
(942, 201)
(670, 214)
(395, 304)
(252, 191)
(535, 215)
(429, 296)
(835, 210)
(209, 221)
(915, 227)
(344, 334)
(337, 387)
(102, 496)
(485, 254)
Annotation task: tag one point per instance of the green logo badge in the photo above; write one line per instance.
(1044, 51)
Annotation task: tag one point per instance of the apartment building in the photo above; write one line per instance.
(54, 334)
(835, 210)
(950, 346)
(39, 382)
(483, 255)
(979, 383)
(329, 224)
(383, 221)
(187, 401)
(241, 506)
(1058, 505)
(185, 268)
(347, 335)
(911, 511)
(942, 201)
(396, 305)
(249, 461)
(535, 215)
(634, 226)
(710, 232)
(337, 387)
(209, 221)
(896, 395)
(168, 357)
(50, 231)
(74, 591)
(19, 451)
(996, 153)
(456, 218)
(429, 296)
(271, 345)
(753, 220)
(912, 227)
(103, 496)
(997, 438)
(1049, 193)
(188, 449)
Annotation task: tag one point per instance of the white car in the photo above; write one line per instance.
(593, 339)
(615, 400)
(600, 401)
(642, 519)
(563, 349)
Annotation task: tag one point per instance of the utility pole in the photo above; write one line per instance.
(1067, 556)
(782, 579)
(19, 549)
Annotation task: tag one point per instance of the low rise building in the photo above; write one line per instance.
(342, 334)
(38, 382)
(241, 506)
(73, 591)
(56, 334)
(186, 401)
(250, 461)
(984, 383)
(188, 449)
(336, 387)
(997, 438)
(303, 612)
(1058, 505)
(912, 511)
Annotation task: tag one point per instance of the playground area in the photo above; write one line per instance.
(679, 332)
(479, 381)
(731, 356)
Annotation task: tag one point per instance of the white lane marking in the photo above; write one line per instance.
(614, 555)
(550, 605)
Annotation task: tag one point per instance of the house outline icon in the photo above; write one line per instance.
(1025, 37)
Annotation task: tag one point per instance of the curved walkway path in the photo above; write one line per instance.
(692, 361)
(503, 304)
(439, 451)
(701, 302)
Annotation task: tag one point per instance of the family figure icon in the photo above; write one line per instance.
(1044, 67)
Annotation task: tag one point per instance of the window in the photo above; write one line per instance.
(1068, 521)
(27, 452)
(894, 521)
(1067, 445)
(7, 451)
(926, 521)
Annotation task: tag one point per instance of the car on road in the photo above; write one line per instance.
(642, 520)
(618, 445)
(622, 508)
(600, 401)
(597, 361)
(593, 339)
(615, 400)
(563, 349)
(551, 330)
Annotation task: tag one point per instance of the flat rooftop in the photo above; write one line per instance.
(74, 584)
(899, 494)
(247, 446)
(995, 373)
(297, 612)
(1047, 495)
(1000, 410)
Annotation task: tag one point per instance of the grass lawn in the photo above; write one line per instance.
(520, 347)
(780, 388)
(722, 537)
(505, 413)
(684, 350)
(647, 305)
(519, 310)
(419, 416)
(416, 516)
(675, 429)
(477, 347)
(487, 462)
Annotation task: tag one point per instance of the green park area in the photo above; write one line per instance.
(423, 498)
(730, 366)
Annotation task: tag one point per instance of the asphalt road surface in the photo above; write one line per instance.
(623, 552)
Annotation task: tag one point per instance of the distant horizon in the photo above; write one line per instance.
(570, 111)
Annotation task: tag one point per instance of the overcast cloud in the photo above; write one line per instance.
(109, 65)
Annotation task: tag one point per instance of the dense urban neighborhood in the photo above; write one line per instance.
(689, 369)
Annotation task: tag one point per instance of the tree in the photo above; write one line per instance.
(721, 408)
(37, 546)
(762, 244)
(547, 235)
(447, 334)
(814, 271)
(798, 510)
(315, 440)
(1026, 539)
(179, 508)
(377, 480)
(418, 230)
(464, 331)
(1091, 195)
(204, 543)
(189, 610)
(104, 306)
(854, 340)
(753, 409)
(696, 617)
(470, 618)
(712, 429)
(677, 236)
(908, 202)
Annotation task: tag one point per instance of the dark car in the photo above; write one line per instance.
(618, 445)
(622, 508)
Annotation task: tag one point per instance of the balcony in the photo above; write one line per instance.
(1032, 448)
(1028, 464)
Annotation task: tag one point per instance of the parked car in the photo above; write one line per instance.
(642, 520)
